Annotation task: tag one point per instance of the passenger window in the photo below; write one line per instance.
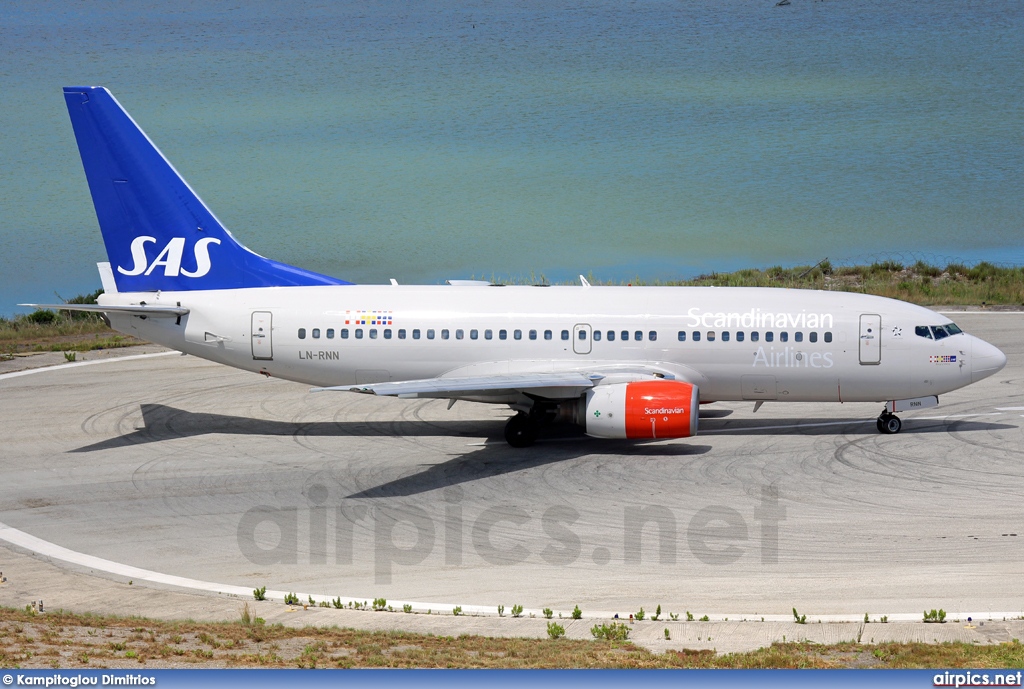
(416, 333)
(430, 333)
(769, 336)
(517, 334)
(359, 333)
(739, 336)
(488, 334)
(652, 336)
(302, 333)
(597, 336)
(548, 334)
(316, 333)
(755, 336)
(387, 333)
(565, 334)
(444, 333)
(582, 334)
(799, 337)
(344, 333)
(373, 333)
(624, 335)
(458, 334)
(611, 336)
(828, 337)
(696, 336)
(638, 335)
(783, 337)
(814, 337)
(401, 333)
(502, 334)
(533, 334)
(474, 334)
(725, 336)
(711, 336)
(681, 335)
(330, 333)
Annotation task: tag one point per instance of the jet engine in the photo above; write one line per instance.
(644, 409)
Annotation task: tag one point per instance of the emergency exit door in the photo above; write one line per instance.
(581, 336)
(262, 344)
(870, 339)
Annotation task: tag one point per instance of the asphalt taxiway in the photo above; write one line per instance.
(208, 477)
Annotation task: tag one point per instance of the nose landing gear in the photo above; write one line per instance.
(888, 423)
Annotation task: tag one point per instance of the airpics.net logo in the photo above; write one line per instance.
(170, 257)
(399, 535)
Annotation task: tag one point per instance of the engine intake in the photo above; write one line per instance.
(645, 409)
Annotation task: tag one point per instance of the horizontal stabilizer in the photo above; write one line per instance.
(135, 309)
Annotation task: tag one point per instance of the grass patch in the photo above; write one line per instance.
(99, 641)
(918, 283)
(60, 331)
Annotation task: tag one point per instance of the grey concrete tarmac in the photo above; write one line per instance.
(188, 468)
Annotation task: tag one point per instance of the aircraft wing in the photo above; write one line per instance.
(134, 309)
(568, 384)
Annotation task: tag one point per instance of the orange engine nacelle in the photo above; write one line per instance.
(647, 409)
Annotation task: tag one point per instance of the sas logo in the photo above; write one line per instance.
(170, 257)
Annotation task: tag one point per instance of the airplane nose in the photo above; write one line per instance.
(986, 360)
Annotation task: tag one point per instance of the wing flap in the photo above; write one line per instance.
(572, 382)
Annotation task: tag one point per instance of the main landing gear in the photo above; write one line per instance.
(521, 430)
(888, 423)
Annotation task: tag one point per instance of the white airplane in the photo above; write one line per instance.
(622, 362)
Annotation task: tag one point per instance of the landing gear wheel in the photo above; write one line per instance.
(889, 424)
(520, 431)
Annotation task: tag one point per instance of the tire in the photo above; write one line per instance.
(880, 425)
(893, 425)
(520, 431)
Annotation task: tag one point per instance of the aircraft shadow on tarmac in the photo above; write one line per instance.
(833, 426)
(161, 423)
(497, 458)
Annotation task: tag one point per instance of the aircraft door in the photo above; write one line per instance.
(581, 336)
(870, 339)
(262, 344)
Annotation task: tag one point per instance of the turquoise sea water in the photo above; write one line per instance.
(444, 140)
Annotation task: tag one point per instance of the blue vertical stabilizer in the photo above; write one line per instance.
(159, 235)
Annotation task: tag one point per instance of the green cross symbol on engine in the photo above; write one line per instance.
(597, 414)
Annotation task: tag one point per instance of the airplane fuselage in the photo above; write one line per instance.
(734, 343)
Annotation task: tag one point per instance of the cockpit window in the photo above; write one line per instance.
(942, 331)
(938, 332)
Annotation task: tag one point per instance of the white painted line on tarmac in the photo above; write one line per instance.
(982, 313)
(1009, 408)
(38, 546)
(41, 547)
(842, 423)
(43, 369)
